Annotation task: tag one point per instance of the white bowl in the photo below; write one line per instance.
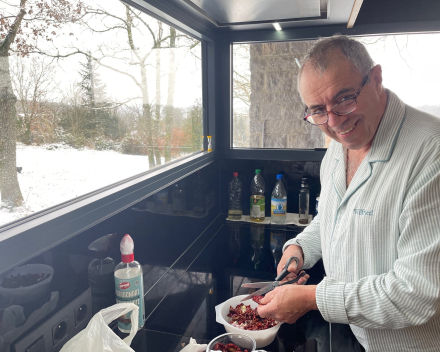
(261, 337)
(22, 295)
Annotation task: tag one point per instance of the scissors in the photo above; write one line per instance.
(266, 287)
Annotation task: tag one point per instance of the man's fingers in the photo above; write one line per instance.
(267, 298)
(303, 280)
(265, 311)
(293, 267)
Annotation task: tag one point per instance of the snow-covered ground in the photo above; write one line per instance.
(50, 177)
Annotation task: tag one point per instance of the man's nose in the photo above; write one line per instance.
(335, 120)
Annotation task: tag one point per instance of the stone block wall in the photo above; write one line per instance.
(276, 110)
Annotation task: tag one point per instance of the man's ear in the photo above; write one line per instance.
(376, 77)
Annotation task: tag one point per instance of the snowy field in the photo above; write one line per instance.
(50, 177)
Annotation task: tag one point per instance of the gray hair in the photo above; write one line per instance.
(354, 51)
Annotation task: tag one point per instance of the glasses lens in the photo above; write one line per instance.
(344, 107)
(317, 118)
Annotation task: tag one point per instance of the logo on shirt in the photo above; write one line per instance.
(363, 212)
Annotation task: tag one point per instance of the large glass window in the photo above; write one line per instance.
(95, 94)
(267, 108)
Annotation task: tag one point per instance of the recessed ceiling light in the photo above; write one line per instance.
(277, 26)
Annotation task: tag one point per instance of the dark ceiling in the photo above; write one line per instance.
(386, 11)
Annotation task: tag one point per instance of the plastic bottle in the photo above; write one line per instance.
(129, 284)
(258, 200)
(278, 208)
(100, 274)
(235, 190)
(199, 195)
(304, 197)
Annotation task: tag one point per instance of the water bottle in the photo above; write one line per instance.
(304, 197)
(278, 202)
(258, 200)
(235, 210)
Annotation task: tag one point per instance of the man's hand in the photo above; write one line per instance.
(288, 303)
(292, 251)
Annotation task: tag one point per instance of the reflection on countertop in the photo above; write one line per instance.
(186, 274)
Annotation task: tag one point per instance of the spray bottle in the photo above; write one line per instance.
(129, 284)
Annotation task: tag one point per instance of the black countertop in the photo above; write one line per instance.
(182, 306)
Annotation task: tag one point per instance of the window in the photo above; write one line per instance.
(103, 92)
(267, 108)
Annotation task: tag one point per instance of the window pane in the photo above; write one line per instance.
(267, 108)
(112, 93)
(410, 67)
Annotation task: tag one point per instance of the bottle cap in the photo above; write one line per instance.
(235, 174)
(257, 171)
(127, 247)
(279, 177)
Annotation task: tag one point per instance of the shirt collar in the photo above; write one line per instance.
(388, 130)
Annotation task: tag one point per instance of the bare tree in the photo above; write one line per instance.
(22, 26)
(34, 84)
(144, 36)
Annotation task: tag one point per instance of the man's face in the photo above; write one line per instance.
(322, 91)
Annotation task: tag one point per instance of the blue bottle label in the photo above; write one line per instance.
(278, 206)
(130, 291)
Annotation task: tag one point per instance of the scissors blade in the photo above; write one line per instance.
(256, 284)
(262, 291)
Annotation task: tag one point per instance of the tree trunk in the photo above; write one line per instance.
(9, 187)
(157, 105)
(170, 99)
(146, 114)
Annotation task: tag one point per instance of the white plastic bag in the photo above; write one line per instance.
(98, 337)
(193, 347)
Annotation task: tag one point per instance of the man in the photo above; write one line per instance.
(378, 228)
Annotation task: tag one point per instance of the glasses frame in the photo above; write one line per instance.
(306, 116)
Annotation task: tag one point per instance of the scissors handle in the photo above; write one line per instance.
(284, 273)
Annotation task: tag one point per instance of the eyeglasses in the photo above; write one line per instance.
(345, 106)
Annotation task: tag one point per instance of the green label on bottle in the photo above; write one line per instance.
(130, 291)
(258, 207)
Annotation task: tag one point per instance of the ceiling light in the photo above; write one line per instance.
(277, 26)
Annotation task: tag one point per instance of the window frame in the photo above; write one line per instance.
(30, 236)
(293, 34)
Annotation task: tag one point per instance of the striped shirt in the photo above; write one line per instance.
(380, 237)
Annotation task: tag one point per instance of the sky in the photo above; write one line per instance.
(119, 87)
(410, 66)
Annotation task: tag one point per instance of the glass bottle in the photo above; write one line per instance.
(304, 198)
(258, 200)
(235, 193)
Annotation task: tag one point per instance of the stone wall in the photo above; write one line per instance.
(276, 110)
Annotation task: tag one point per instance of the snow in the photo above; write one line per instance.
(50, 177)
